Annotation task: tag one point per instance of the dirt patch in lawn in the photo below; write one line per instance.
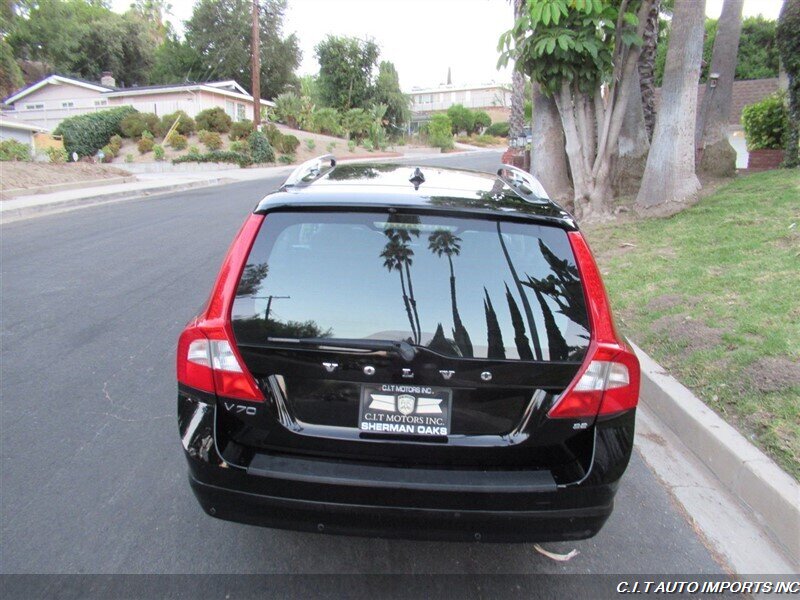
(687, 331)
(773, 374)
(667, 301)
(23, 175)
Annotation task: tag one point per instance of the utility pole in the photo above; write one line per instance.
(256, 67)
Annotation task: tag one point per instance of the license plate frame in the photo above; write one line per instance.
(405, 409)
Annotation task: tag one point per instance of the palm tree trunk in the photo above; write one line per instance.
(516, 120)
(413, 303)
(460, 332)
(647, 69)
(407, 305)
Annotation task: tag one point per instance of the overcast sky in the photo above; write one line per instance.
(421, 37)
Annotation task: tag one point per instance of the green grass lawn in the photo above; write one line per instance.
(713, 294)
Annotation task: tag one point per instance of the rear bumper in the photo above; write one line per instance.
(399, 521)
(308, 494)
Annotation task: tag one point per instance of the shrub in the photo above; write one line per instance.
(286, 159)
(239, 146)
(108, 153)
(330, 147)
(186, 126)
(194, 149)
(240, 130)
(461, 118)
(287, 108)
(499, 129)
(147, 135)
(224, 156)
(158, 152)
(482, 120)
(357, 122)
(440, 131)
(145, 145)
(56, 155)
(328, 121)
(115, 142)
(129, 158)
(134, 125)
(351, 145)
(287, 144)
(210, 139)
(14, 150)
(766, 123)
(86, 134)
(260, 149)
(213, 119)
(310, 144)
(368, 145)
(178, 141)
(273, 134)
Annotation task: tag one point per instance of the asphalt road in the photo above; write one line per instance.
(93, 479)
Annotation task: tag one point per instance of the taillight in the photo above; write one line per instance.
(608, 380)
(208, 359)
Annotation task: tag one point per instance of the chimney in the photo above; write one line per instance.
(107, 79)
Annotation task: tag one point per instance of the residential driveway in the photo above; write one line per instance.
(93, 479)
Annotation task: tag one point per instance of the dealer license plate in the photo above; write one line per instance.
(399, 409)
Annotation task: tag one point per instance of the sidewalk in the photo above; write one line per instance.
(149, 184)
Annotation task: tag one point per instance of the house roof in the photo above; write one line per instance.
(18, 125)
(217, 87)
(460, 88)
(55, 80)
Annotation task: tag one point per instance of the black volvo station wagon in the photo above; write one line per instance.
(408, 352)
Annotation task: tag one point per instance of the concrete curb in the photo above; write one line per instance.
(72, 185)
(749, 474)
(11, 215)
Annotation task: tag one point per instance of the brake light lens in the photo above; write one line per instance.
(608, 381)
(208, 359)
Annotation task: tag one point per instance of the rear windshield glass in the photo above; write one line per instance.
(461, 287)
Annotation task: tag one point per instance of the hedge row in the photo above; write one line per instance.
(86, 134)
(222, 156)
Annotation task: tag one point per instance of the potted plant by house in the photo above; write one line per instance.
(765, 126)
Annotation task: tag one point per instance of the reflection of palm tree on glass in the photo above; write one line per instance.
(537, 349)
(394, 255)
(443, 242)
(520, 339)
(496, 347)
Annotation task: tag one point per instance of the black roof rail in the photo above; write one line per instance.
(525, 185)
(310, 171)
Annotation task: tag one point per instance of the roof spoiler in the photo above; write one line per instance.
(525, 185)
(310, 170)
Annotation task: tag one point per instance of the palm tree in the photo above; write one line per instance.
(517, 118)
(495, 345)
(647, 68)
(445, 243)
(394, 255)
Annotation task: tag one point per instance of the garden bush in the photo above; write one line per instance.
(240, 130)
(239, 146)
(115, 143)
(213, 119)
(14, 150)
(461, 119)
(286, 159)
(210, 139)
(482, 120)
(327, 121)
(499, 129)
(222, 156)
(177, 141)
(351, 145)
(310, 144)
(368, 145)
(134, 125)
(193, 149)
(56, 155)
(129, 158)
(766, 123)
(287, 144)
(145, 145)
(86, 134)
(288, 107)
(158, 152)
(440, 132)
(186, 126)
(109, 153)
(357, 122)
(260, 149)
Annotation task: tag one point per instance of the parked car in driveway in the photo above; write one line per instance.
(408, 352)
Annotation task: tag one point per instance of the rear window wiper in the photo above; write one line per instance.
(405, 350)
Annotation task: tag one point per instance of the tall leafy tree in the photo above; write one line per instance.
(788, 36)
(669, 178)
(387, 91)
(573, 48)
(346, 71)
(218, 32)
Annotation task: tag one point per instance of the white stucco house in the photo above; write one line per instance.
(49, 101)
